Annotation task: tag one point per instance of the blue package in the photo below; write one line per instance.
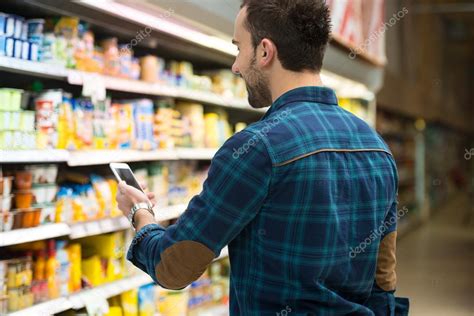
(18, 49)
(34, 52)
(25, 50)
(19, 21)
(3, 45)
(10, 46)
(3, 23)
(9, 26)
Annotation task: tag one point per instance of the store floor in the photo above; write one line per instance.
(436, 263)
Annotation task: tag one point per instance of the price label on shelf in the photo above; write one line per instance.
(95, 303)
(93, 85)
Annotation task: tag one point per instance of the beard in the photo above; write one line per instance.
(258, 88)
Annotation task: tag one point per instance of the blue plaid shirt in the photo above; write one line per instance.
(300, 198)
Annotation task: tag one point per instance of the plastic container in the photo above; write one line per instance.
(35, 27)
(10, 99)
(6, 185)
(23, 180)
(6, 220)
(23, 199)
(36, 216)
(28, 220)
(48, 212)
(5, 203)
(44, 193)
(51, 173)
(17, 219)
(44, 174)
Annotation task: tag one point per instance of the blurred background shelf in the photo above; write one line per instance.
(19, 236)
(82, 229)
(101, 157)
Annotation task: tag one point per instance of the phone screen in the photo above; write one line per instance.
(127, 176)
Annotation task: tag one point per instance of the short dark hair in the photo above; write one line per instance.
(299, 28)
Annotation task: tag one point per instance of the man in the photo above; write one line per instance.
(305, 198)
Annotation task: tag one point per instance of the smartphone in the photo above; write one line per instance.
(123, 172)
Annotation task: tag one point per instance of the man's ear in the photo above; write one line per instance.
(267, 52)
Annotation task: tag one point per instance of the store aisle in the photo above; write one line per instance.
(436, 263)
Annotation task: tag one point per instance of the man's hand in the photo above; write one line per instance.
(127, 196)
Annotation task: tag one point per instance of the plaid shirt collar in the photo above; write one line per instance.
(313, 94)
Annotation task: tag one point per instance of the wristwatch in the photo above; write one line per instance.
(135, 208)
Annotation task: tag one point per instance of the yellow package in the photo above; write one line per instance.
(74, 251)
(92, 270)
(114, 210)
(66, 126)
(129, 303)
(114, 311)
(107, 246)
(172, 303)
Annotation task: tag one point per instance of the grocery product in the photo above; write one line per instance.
(51, 271)
(111, 57)
(193, 117)
(150, 68)
(146, 300)
(5, 202)
(129, 300)
(172, 303)
(64, 267)
(23, 180)
(211, 127)
(143, 119)
(122, 114)
(6, 185)
(74, 251)
(23, 199)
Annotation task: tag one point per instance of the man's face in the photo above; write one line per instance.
(246, 65)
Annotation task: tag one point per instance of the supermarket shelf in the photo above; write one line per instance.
(75, 77)
(84, 229)
(20, 236)
(47, 308)
(106, 225)
(196, 153)
(81, 299)
(99, 157)
(105, 291)
(20, 156)
(32, 68)
(135, 86)
(169, 212)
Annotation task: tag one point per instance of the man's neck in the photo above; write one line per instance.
(292, 80)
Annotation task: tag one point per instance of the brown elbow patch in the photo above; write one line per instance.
(182, 263)
(385, 275)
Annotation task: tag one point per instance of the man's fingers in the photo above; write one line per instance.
(150, 195)
(122, 187)
(143, 185)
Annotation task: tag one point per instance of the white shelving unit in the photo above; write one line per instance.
(20, 236)
(80, 230)
(32, 156)
(105, 291)
(99, 157)
(47, 308)
(74, 77)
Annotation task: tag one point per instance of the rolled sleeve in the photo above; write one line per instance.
(232, 195)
